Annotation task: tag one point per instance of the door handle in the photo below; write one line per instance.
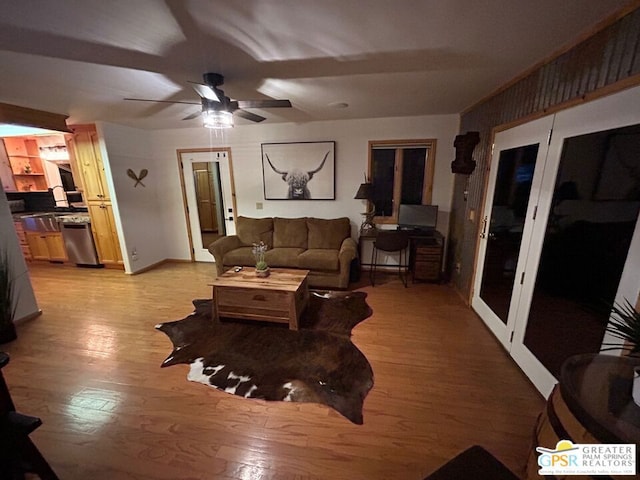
(484, 227)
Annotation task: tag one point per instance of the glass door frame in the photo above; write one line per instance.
(536, 132)
(614, 111)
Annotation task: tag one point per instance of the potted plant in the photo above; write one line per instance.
(625, 325)
(262, 268)
(7, 304)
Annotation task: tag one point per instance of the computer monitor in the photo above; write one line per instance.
(418, 217)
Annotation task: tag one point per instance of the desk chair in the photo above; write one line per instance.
(390, 241)
(18, 454)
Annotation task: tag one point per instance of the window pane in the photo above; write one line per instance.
(382, 176)
(413, 163)
(510, 203)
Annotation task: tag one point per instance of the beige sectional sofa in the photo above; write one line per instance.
(324, 247)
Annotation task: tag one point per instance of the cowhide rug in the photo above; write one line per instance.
(318, 363)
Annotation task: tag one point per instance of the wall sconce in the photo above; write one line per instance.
(365, 192)
(464, 145)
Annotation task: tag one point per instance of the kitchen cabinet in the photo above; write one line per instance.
(25, 163)
(103, 227)
(47, 246)
(85, 146)
(22, 237)
(84, 150)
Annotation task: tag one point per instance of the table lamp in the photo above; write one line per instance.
(365, 192)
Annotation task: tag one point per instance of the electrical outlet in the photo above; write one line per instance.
(458, 267)
(134, 254)
(258, 205)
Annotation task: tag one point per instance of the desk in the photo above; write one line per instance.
(425, 255)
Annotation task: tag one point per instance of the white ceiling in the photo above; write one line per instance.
(381, 57)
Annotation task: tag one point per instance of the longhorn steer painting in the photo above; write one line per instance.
(298, 171)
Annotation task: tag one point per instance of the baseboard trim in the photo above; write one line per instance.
(161, 262)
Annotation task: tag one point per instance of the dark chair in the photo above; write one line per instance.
(18, 454)
(390, 241)
(475, 463)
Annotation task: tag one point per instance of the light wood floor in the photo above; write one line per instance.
(89, 366)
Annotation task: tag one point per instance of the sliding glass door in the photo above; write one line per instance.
(577, 253)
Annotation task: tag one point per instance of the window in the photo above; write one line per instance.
(401, 171)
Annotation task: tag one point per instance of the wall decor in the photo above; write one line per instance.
(464, 145)
(138, 178)
(299, 171)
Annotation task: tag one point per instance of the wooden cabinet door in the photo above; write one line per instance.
(104, 233)
(55, 247)
(90, 162)
(38, 246)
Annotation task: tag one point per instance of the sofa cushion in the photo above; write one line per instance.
(319, 259)
(239, 256)
(290, 232)
(328, 233)
(286, 257)
(255, 230)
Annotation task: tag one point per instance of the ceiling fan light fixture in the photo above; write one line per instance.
(217, 119)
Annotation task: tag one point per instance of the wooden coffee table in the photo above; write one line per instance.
(281, 297)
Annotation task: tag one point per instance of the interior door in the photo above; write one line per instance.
(225, 196)
(515, 175)
(203, 181)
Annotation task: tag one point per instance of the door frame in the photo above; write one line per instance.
(624, 107)
(534, 132)
(194, 208)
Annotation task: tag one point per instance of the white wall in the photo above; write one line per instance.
(351, 137)
(9, 243)
(137, 210)
(152, 218)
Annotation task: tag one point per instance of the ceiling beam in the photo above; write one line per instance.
(16, 115)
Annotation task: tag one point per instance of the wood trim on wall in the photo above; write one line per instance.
(605, 63)
(591, 31)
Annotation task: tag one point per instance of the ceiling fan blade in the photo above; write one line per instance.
(264, 103)
(161, 101)
(205, 91)
(192, 116)
(249, 116)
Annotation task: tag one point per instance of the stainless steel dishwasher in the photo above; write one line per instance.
(78, 242)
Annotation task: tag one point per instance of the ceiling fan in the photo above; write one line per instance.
(217, 108)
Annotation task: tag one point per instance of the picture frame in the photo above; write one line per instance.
(299, 170)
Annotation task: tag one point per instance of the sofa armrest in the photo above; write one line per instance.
(220, 247)
(348, 251)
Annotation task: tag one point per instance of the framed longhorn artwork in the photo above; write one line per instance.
(299, 171)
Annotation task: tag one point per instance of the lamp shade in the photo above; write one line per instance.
(365, 192)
